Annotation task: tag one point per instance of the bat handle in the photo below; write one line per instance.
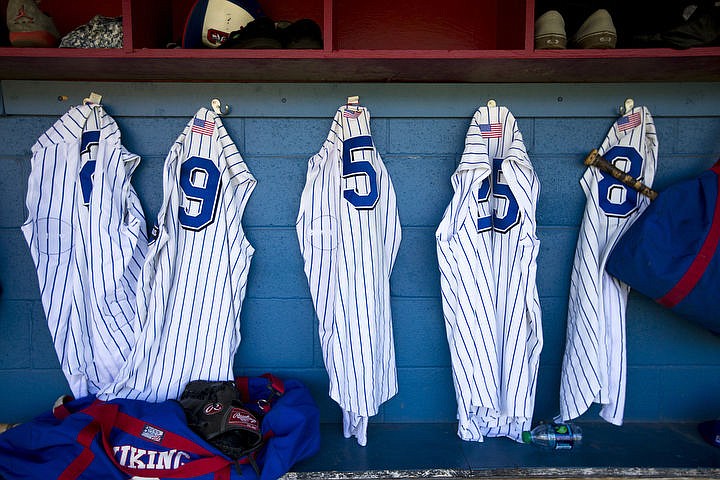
(596, 160)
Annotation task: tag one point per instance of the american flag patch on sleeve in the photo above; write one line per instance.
(628, 121)
(491, 130)
(349, 113)
(203, 127)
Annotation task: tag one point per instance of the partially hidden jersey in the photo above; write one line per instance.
(349, 233)
(487, 249)
(86, 233)
(194, 280)
(594, 363)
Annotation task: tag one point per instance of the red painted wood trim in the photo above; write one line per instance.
(159, 53)
(328, 26)
(530, 25)
(127, 26)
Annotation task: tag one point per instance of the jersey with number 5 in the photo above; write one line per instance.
(594, 361)
(487, 249)
(349, 234)
(193, 282)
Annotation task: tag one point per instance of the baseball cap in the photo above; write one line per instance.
(710, 432)
(211, 21)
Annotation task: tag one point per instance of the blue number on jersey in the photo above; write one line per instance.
(361, 167)
(616, 199)
(87, 140)
(500, 191)
(200, 181)
(86, 180)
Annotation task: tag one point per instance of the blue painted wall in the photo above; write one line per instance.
(673, 366)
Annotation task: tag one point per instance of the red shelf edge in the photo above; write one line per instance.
(178, 53)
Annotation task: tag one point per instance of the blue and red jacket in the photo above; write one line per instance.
(90, 439)
(671, 252)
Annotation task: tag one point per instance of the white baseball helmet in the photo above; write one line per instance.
(211, 21)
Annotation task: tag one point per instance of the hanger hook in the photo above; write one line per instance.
(215, 103)
(93, 98)
(627, 106)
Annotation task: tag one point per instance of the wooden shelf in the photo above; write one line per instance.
(401, 49)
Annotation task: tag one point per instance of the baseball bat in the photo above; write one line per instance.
(7, 426)
(597, 160)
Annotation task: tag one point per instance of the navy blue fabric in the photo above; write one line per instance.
(655, 253)
(293, 424)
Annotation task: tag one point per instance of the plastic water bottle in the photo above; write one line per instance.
(554, 436)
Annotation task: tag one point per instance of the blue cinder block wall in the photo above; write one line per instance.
(673, 366)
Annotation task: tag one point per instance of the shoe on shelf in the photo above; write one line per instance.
(550, 31)
(28, 26)
(598, 31)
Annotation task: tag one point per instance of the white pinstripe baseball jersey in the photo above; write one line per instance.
(487, 249)
(594, 361)
(86, 232)
(349, 233)
(194, 280)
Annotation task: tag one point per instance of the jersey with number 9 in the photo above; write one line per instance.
(193, 282)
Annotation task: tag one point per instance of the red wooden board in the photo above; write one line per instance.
(421, 25)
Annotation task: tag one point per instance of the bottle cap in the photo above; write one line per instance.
(526, 437)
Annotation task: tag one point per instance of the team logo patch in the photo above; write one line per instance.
(152, 433)
(54, 236)
(243, 418)
(323, 232)
(213, 408)
(216, 37)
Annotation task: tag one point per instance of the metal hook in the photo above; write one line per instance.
(93, 99)
(215, 103)
(627, 106)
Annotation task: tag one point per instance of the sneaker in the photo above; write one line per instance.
(598, 31)
(28, 26)
(550, 31)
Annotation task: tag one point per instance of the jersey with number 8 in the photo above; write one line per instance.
(349, 234)
(594, 361)
(193, 282)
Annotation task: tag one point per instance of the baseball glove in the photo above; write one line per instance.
(214, 411)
